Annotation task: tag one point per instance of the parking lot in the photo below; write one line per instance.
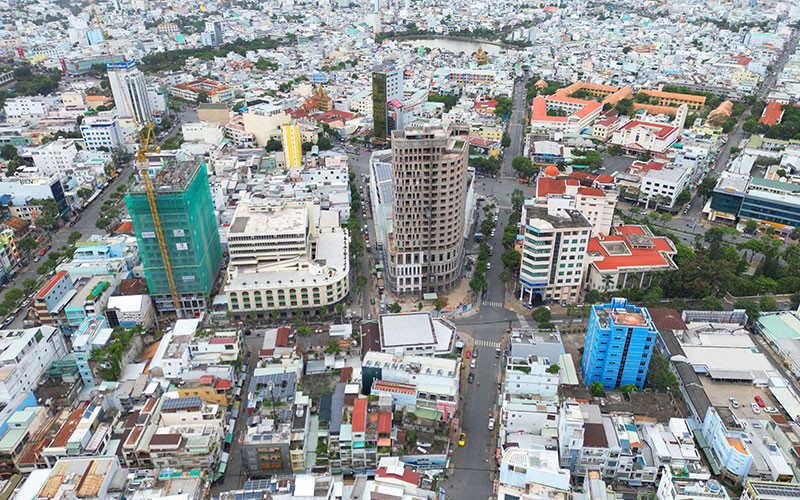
(720, 393)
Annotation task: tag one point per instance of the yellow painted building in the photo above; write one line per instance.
(292, 145)
(213, 392)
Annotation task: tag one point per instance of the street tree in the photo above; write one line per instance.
(541, 314)
(517, 200)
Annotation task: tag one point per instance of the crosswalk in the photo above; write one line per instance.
(487, 343)
(523, 321)
(492, 304)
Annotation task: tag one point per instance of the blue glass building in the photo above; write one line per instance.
(619, 343)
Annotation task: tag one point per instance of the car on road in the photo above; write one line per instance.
(759, 401)
(488, 265)
(462, 439)
(372, 301)
(755, 408)
(471, 378)
(497, 353)
(473, 363)
(468, 354)
(475, 353)
(42, 252)
(734, 403)
(771, 409)
(491, 424)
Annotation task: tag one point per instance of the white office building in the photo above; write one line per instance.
(25, 107)
(285, 256)
(663, 186)
(553, 251)
(101, 132)
(129, 88)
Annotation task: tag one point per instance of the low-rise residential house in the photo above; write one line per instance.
(24, 357)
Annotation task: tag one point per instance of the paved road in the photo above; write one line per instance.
(516, 127)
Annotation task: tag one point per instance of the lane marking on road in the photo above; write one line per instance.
(522, 321)
(487, 343)
(492, 304)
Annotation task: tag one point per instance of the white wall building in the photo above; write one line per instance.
(25, 107)
(101, 132)
(24, 356)
(285, 256)
(669, 182)
(553, 251)
(55, 157)
(530, 376)
(520, 468)
(205, 132)
(596, 204)
(129, 88)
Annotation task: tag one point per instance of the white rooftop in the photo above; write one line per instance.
(407, 329)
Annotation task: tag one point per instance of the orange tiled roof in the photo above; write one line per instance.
(772, 114)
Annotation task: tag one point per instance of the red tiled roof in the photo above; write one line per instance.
(638, 257)
(539, 111)
(346, 374)
(222, 340)
(125, 227)
(666, 318)
(490, 104)
(587, 191)
(772, 113)
(546, 185)
(42, 293)
(282, 337)
(659, 129)
(477, 141)
(604, 179)
(360, 415)
(223, 384)
(408, 476)
(165, 440)
(206, 380)
(742, 60)
(334, 115)
(629, 229)
(385, 422)
(67, 428)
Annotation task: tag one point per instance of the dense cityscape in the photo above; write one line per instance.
(399, 250)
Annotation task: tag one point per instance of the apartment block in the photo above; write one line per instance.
(530, 376)
(129, 311)
(727, 446)
(285, 256)
(92, 334)
(672, 487)
(619, 342)
(51, 299)
(429, 199)
(554, 240)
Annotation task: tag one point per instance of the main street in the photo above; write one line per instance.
(516, 125)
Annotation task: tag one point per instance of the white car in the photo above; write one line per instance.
(755, 408)
(491, 424)
(771, 409)
(473, 363)
(734, 403)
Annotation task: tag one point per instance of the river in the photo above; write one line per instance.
(454, 46)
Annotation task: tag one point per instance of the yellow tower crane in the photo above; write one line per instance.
(146, 145)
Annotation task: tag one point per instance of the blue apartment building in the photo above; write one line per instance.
(619, 343)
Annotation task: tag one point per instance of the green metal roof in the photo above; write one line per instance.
(783, 186)
(780, 326)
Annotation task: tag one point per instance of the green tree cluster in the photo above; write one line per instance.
(173, 60)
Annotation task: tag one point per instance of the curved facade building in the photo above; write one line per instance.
(429, 198)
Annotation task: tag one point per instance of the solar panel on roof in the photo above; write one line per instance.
(182, 403)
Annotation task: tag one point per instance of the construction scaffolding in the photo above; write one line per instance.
(190, 234)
